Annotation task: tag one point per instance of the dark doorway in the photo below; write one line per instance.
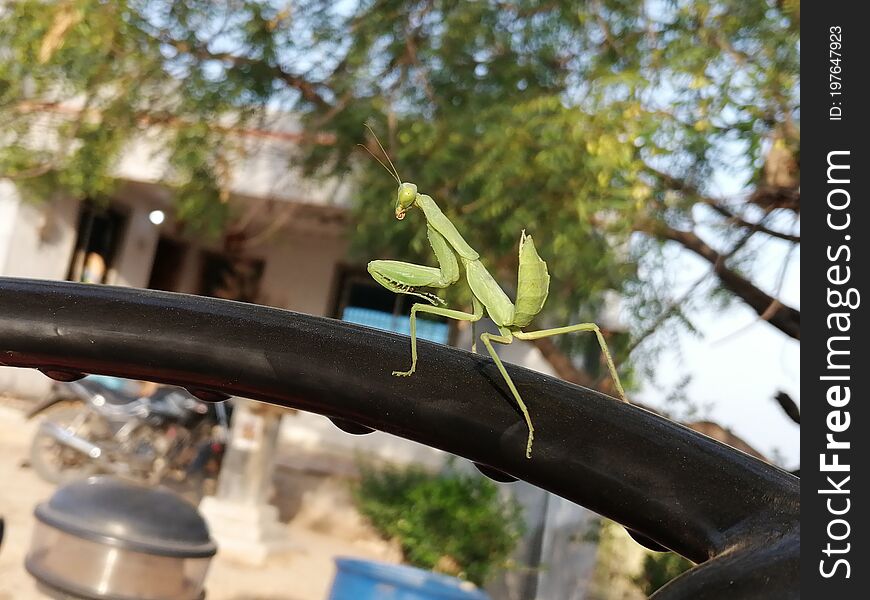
(168, 262)
(100, 231)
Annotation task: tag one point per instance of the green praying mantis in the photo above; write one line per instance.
(451, 250)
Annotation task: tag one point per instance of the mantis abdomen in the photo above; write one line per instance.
(533, 283)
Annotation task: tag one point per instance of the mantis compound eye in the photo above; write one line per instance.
(406, 196)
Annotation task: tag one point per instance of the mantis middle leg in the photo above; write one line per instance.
(506, 337)
(443, 312)
(536, 335)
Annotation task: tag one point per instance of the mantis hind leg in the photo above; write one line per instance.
(535, 335)
(506, 338)
(435, 310)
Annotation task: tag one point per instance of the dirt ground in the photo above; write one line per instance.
(303, 573)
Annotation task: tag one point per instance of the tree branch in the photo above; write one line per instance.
(789, 406)
(170, 120)
(307, 89)
(740, 221)
(781, 316)
(36, 171)
(770, 197)
(791, 202)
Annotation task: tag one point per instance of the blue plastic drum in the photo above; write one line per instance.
(369, 580)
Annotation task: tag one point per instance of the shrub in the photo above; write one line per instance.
(453, 523)
(660, 568)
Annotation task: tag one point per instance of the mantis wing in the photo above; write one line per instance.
(533, 283)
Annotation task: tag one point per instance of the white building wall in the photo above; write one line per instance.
(8, 211)
(36, 241)
(260, 168)
(300, 270)
(42, 238)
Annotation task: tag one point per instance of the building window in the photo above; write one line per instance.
(100, 231)
(361, 300)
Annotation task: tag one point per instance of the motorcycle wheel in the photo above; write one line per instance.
(55, 462)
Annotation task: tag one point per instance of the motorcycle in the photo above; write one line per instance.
(102, 425)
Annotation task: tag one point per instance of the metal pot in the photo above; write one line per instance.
(104, 538)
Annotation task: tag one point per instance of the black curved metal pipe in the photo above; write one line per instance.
(683, 490)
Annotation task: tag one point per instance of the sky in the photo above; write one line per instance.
(739, 362)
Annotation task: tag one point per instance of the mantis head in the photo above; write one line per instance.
(405, 199)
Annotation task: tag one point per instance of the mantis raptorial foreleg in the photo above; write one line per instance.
(536, 335)
(443, 312)
(406, 278)
(506, 337)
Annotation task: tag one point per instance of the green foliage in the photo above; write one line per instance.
(596, 126)
(660, 568)
(454, 523)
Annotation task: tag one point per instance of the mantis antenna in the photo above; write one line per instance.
(381, 163)
(394, 172)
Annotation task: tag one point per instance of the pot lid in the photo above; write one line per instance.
(129, 515)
